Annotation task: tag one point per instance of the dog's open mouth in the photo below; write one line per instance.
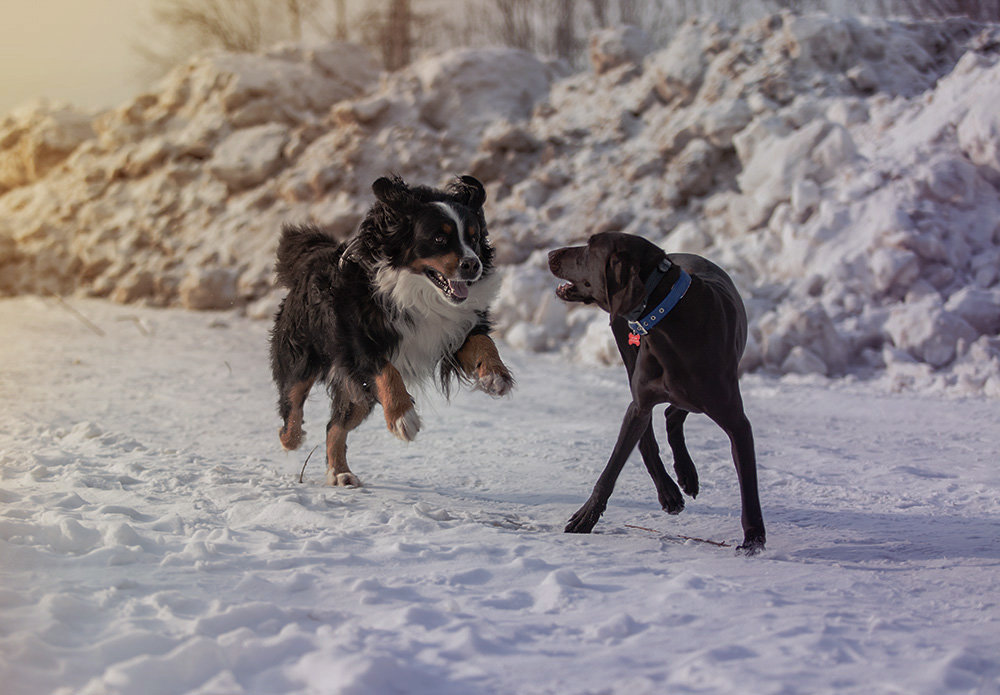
(455, 290)
(568, 292)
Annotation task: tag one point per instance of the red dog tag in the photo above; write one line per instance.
(633, 339)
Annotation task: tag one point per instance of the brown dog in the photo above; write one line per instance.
(686, 355)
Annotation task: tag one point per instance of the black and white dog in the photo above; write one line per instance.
(376, 316)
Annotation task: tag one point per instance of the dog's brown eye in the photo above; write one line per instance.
(441, 240)
(586, 283)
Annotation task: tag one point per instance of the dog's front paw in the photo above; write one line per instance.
(406, 425)
(496, 382)
(671, 501)
(586, 518)
(347, 479)
(753, 543)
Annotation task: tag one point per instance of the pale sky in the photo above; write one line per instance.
(78, 51)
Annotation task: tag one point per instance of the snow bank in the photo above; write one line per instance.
(37, 137)
(844, 170)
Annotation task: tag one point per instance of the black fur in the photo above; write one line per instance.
(339, 325)
(689, 360)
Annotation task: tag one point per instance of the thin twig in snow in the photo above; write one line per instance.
(302, 473)
(669, 536)
(83, 319)
(139, 323)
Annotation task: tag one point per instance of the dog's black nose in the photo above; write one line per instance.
(469, 267)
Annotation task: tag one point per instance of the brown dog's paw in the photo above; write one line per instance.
(586, 517)
(687, 476)
(347, 479)
(672, 503)
(405, 426)
(753, 543)
(496, 382)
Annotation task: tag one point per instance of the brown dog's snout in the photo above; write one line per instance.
(555, 258)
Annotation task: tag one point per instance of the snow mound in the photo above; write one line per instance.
(844, 170)
(37, 137)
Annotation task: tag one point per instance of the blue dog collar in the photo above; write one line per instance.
(642, 326)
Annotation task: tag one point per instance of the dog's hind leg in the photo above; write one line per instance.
(667, 491)
(290, 405)
(345, 416)
(687, 476)
(734, 422)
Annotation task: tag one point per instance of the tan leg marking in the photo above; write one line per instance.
(338, 474)
(397, 404)
(481, 361)
(291, 432)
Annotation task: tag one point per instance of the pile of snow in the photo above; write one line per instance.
(844, 170)
(37, 137)
(180, 195)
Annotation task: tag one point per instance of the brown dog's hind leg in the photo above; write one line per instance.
(687, 476)
(344, 419)
(667, 491)
(291, 404)
(735, 424)
(480, 359)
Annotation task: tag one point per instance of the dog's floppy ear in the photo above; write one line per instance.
(469, 191)
(394, 192)
(621, 280)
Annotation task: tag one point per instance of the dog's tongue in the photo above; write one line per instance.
(459, 289)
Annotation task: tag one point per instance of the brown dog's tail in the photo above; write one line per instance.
(297, 247)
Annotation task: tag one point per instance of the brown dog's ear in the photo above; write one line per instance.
(621, 278)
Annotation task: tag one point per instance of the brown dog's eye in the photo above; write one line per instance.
(440, 240)
(586, 283)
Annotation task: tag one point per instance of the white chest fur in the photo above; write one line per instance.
(431, 326)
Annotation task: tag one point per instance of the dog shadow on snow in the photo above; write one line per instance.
(854, 536)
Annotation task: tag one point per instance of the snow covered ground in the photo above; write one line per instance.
(155, 539)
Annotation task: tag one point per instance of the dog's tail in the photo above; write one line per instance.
(297, 246)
